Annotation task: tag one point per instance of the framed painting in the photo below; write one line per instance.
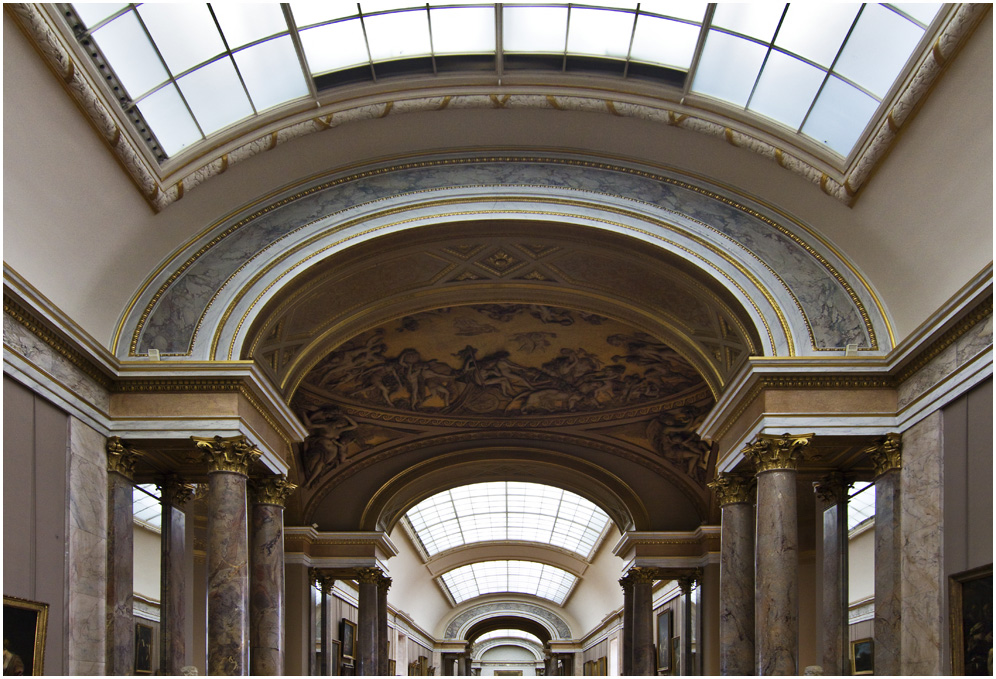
(335, 658)
(675, 655)
(143, 648)
(863, 656)
(24, 625)
(392, 667)
(347, 635)
(664, 640)
(971, 622)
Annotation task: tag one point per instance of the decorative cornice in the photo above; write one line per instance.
(121, 458)
(772, 453)
(232, 454)
(160, 192)
(732, 488)
(980, 313)
(271, 490)
(886, 454)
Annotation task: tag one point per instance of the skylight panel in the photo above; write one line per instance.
(215, 95)
(600, 32)
(861, 504)
(839, 116)
(168, 116)
(689, 10)
(335, 46)
(756, 19)
(146, 506)
(728, 67)
(509, 634)
(878, 48)
(398, 35)
(520, 577)
(185, 34)
(534, 29)
(243, 23)
(311, 13)
(126, 46)
(665, 42)
(924, 12)
(463, 30)
(786, 89)
(92, 13)
(501, 511)
(815, 31)
(271, 72)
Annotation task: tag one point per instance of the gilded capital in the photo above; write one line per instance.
(641, 575)
(121, 458)
(175, 492)
(732, 488)
(384, 582)
(322, 579)
(232, 454)
(886, 454)
(271, 490)
(831, 489)
(686, 582)
(772, 452)
(369, 575)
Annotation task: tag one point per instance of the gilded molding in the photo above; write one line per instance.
(980, 313)
(732, 488)
(232, 454)
(831, 489)
(886, 454)
(271, 490)
(121, 459)
(774, 453)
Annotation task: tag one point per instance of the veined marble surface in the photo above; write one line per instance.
(811, 292)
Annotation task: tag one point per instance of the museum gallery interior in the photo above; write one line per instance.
(394, 338)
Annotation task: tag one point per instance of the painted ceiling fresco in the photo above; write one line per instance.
(524, 362)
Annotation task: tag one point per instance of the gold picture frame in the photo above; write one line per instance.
(347, 635)
(25, 623)
(143, 648)
(970, 597)
(664, 640)
(863, 656)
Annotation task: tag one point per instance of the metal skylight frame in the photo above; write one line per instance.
(860, 504)
(146, 505)
(500, 511)
(629, 67)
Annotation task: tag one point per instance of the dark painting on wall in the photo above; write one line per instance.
(971, 596)
(863, 656)
(143, 649)
(664, 641)
(24, 626)
(347, 634)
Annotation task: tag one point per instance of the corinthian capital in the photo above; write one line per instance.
(771, 452)
(175, 492)
(232, 454)
(271, 490)
(886, 454)
(831, 488)
(369, 575)
(121, 458)
(732, 488)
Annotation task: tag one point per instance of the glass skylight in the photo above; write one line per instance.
(521, 577)
(146, 506)
(507, 510)
(509, 634)
(860, 504)
(186, 71)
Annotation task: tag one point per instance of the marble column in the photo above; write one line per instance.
(644, 658)
(776, 546)
(367, 638)
(383, 584)
(325, 583)
(886, 455)
(174, 493)
(120, 558)
(626, 582)
(228, 461)
(736, 574)
(266, 581)
(831, 493)
(686, 583)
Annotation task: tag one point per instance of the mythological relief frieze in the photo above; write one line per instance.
(503, 366)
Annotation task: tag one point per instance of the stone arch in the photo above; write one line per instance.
(480, 649)
(531, 615)
(802, 296)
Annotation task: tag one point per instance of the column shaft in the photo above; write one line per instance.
(367, 638)
(644, 658)
(687, 666)
(888, 579)
(173, 581)
(228, 575)
(382, 629)
(832, 497)
(777, 573)
(627, 635)
(120, 558)
(266, 591)
(736, 575)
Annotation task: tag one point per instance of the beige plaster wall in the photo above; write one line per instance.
(412, 589)
(148, 559)
(598, 593)
(861, 566)
(66, 201)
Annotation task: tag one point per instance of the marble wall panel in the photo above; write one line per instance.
(922, 524)
(977, 339)
(834, 317)
(87, 622)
